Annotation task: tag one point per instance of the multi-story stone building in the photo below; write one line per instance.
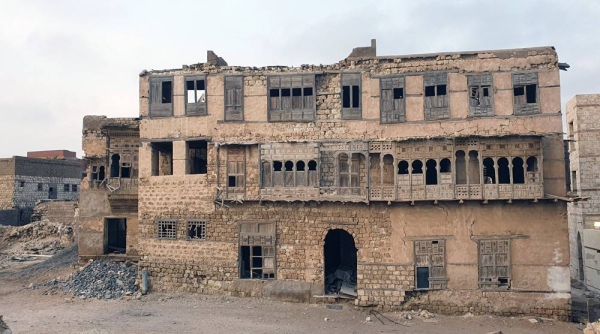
(402, 181)
(583, 136)
(24, 181)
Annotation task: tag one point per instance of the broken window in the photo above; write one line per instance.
(196, 230)
(167, 229)
(126, 170)
(403, 167)
(162, 158)
(291, 98)
(234, 98)
(195, 95)
(503, 171)
(474, 168)
(66, 187)
(196, 157)
(489, 171)
(431, 172)
(74, 188)
(40, 187)
(161, 96)
(430, 264)
(461, 168)
(236, 171)
(257, 250)
(436, 96)
(532, 164)
(517, 171)
(494, 264)
(480, 95)
(351, 99)
(525, 92)
(392, 100)
(114, 165)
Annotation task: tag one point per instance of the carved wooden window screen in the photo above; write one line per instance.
(167, 229)
(234, 98)
(351, 96)
(392, 100)
(195, 95)
(292, 98)
(161, 96)
(494, 264)
(349, 170)
(481, 102)
(257, 250)
(430, 264)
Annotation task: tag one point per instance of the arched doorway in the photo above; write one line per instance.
(340, 263)
(580, 258)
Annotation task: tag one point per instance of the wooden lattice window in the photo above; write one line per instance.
(234, 98)
(392, 100)
(481, 101)
(195, 95)
(436, 96)
(167, 229)
(525, 93)
(494, 264)
(430, 264)
(292, 98)
(257, 250)
(351, 96)
(161, 96)
(196, 230)
(236, 170)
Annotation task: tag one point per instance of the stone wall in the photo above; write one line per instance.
(55, 211)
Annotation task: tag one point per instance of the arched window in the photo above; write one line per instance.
(277, 174)
(288, 175)
(375, 169)
(115, 165)
(313, 175)
(277, 165)
(503, 171)
(474, 167)
(312, 165)
(461, 168)
(431, 172)
(417, 167)
(517, 171)
(532, 164)
(300, 173)
(289, 166)
(388, 169)
(358, 162)
(403, 167)
(489, 171)
(445, 166)
(300, 165)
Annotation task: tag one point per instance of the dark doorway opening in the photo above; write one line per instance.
(580, 258)
(115, 236)
(340, 263)
(52, 191)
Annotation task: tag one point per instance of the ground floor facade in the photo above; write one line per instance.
(450, 257)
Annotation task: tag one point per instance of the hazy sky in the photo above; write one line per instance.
(61, 60)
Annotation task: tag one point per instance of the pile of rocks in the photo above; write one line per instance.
(409, 315)
(99, 279)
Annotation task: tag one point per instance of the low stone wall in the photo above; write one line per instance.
(504, 303)
(55, 211)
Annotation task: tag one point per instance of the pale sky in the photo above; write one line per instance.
(62, 60)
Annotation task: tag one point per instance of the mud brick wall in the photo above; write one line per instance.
(55, 211)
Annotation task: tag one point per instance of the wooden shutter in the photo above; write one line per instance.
(157, 107)
(351, 80)
(234, 106)
(392, 110)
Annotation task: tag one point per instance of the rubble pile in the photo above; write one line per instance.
(99, 279)
(410, 315)
(341, 281)
(592, 328)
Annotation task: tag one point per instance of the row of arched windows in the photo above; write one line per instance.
(289, 173)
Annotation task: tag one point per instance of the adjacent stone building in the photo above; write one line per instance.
(24, 181)
(401, 181)
(583, 137)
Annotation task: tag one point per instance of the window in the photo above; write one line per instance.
(573, 180)
(40, 186)
(234, 95)
(22, 184)
(126, 170)
(195, 95)
(431, 177)
(430, 264)
(257, 250)
(392, 100)
(196, 157)
(114, 165)
(162, 158)
(196, 230)
(480, 95)
(525, 92)
(161, 96)
(436, 96)
(461, 167)
(66, 188)
(351, 99)
(236, 174)
(494, 264)
(292, 98)
(167, 229)
(74, 188)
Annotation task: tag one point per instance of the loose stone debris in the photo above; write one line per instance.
(100, 279)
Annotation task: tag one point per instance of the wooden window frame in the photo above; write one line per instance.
(256, 238)
(522, 80)
(200, 224)
(479, 82)
(280, 113)
(166, 235)
(488, 282)
(351, 79)
(157, 108)
(431, 259)
(233, 98)
(240, 176)
(436, 80)
(387, 87)
(195, 108)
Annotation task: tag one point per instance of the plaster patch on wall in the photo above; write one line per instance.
(558, 256)
(559, 279)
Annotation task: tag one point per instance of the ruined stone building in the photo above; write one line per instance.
(401, 181)
(583, 137)
(27, 180)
